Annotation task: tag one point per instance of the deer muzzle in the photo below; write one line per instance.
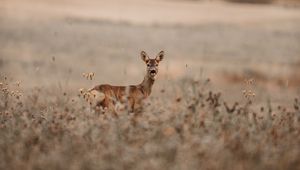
(153, 72)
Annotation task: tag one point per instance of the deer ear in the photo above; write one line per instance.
(144, 56)
(160, 56)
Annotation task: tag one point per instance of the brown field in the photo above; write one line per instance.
(226, 97)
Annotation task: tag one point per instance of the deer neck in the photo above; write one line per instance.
(146, 85)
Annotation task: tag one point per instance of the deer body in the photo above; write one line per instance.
(107, 96)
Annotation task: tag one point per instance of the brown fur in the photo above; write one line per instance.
(133, 95)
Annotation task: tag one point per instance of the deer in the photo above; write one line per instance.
(106, 96)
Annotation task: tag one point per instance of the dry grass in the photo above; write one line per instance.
(287, 2)
(194, 128)
(252, 1)
(292, 79)
(50, 50)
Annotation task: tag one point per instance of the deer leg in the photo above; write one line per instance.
(109, 104)
(139, 106)
(130, 105)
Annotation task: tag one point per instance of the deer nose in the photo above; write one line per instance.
(153, 71)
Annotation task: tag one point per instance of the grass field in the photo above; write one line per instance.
(226, 97)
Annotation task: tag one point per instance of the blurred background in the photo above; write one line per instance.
(51, 43)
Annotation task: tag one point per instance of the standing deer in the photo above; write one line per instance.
(107, 96)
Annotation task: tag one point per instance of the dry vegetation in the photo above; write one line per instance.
(245, 116)
(252, 1)
(191, 129)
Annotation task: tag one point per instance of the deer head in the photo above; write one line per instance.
(152, 64)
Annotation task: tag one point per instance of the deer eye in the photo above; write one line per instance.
(148, 65)
(156, 65)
